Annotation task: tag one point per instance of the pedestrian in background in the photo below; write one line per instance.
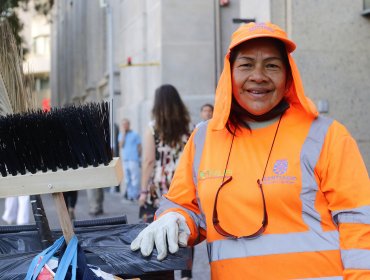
(206, 112)
(70, 199)
(278, 191)
(130, 149)
(95, 198)
(164, 140)
(17, 210)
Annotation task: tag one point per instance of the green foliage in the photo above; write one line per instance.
(44, 6)
(8, 11)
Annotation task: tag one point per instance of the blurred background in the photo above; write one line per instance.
(121, 50)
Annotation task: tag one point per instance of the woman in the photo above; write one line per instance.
(164, 141)
(278, 192)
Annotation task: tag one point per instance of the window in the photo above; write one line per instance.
(41, 45)
(42, 83)
(366, 11)
(366, 4)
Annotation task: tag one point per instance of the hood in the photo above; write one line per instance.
(295, 94)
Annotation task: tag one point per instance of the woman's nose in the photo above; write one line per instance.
(257, 75)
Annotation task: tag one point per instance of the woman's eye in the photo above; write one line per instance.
(272, 66)
(246, 65)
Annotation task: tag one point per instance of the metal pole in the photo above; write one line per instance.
(218, 58)
(289, 18)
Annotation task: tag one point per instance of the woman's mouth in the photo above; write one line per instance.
(258, 91)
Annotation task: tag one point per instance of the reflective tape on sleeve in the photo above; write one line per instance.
(310, 154)
(356, 259)
(360, 215)
(269, 244)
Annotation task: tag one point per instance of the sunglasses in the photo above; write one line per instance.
(216, 222)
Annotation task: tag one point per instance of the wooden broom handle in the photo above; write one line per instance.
(63, 215)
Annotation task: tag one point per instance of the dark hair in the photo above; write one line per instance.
(170, 115)
(237, 112)
(206, 105)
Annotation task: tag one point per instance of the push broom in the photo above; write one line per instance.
(62, 150)
(53, 152)
(16, 96)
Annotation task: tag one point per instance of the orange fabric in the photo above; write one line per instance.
(353, 274)
(340, 175)
(346, 161)
(240, 205)
(355, 236)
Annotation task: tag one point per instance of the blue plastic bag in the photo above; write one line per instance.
(73, 263)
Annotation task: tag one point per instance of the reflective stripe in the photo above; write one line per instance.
(270, 244)
(356, 259)
(167, 204)
(323, 278)
(199, 139)
(360, 215)
(310, 154)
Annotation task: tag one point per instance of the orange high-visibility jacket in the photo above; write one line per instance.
(316, 187)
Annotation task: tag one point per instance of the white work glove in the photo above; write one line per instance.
(171, 229)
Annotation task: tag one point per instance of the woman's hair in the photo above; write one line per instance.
(170, 115)
(237, 112)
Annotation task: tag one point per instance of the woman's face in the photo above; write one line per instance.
(259, 76)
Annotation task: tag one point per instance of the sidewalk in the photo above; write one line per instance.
(114, 205)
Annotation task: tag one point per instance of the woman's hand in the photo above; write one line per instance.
(169, 231)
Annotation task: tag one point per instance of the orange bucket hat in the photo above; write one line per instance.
(258, 30)
(295, 94)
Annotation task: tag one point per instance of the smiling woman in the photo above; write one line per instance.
(278, 191)
(259, 76)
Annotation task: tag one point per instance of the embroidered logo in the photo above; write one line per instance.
(261, 26)
(280, 168)
(208, 174)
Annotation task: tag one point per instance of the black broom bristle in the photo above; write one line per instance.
(70, 137)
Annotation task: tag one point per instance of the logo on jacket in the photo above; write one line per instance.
(280, 168)
(212, 174)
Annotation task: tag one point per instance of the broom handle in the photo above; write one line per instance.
(64, 219)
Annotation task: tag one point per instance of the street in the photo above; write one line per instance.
(114, 206)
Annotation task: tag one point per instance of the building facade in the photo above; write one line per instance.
(125, 49)
(36, 33)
